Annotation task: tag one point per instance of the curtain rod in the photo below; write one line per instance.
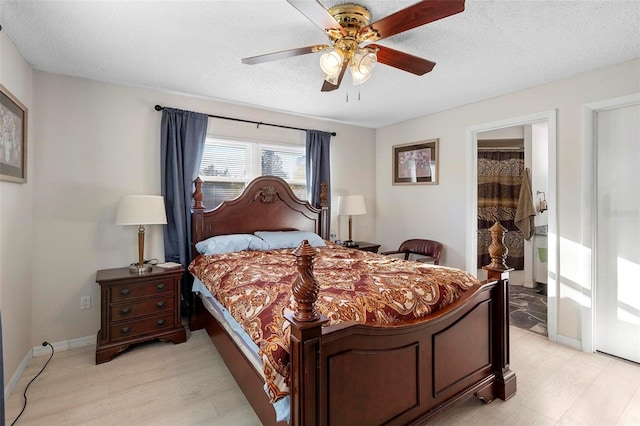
(258, 123)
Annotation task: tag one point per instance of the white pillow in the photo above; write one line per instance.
(230, 243)
(289, 239)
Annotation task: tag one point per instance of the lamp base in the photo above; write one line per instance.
(350, 243)
(140, 269)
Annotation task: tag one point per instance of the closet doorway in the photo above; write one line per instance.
(518, 134)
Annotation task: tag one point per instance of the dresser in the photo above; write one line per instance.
(137, 308)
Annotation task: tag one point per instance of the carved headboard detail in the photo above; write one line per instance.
(267, 194)
(267, 204)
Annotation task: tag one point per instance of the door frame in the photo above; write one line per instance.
(471, 252)
(590, 205)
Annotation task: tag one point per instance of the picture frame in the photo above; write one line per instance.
(416, 163)
(13, 138)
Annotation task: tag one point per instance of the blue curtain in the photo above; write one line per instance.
(317, 166)
(182, 142)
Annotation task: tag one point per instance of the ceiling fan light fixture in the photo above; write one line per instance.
(362, 64)
(358, 78)
(333, 79)
(348, 28)
(331, 62)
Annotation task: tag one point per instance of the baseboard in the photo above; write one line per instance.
(65, 345)
(17, 374)
(44, 350)
(567, 341)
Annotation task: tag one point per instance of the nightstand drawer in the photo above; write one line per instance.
(134, 310)
(134, 290)
(128, 329)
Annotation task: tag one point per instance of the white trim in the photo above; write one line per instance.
(588, 227)
(17, 374)
(568, 341)
(589, 213)
(472, 203)
(65, 345)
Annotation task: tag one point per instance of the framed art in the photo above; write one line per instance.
(416, 163)
(13, 138)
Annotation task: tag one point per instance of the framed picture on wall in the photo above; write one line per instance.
(13, 138)
(416, 163)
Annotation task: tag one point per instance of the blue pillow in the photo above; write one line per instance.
(230, 243)
(258, 243)
(289, 239)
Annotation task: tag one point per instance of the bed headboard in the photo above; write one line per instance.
(267, 204)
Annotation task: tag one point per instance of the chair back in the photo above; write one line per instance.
(429, 248)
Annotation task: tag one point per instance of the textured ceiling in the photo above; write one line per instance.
(195, 47)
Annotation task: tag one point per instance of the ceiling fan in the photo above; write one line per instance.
(352, 38)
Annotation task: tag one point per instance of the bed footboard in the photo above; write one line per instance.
(398, 375)
(356, 374)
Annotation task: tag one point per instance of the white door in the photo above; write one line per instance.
(618, 232)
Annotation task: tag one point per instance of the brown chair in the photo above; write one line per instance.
(428, 248)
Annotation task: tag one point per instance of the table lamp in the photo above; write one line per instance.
(141, 210)
(351, 205)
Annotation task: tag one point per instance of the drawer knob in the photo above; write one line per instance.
(161, 287)
(125, 311)
(125, 292)
(160, 322)
(161, 304)
(125, 330)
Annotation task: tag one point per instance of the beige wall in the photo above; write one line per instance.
(92, 142)
(97, 142)
(439, 211)
(16, 223)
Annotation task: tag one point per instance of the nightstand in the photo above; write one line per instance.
(138, 307)
(365, 246)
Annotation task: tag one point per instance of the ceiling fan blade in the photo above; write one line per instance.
(401, 60)
(413, 16)
(283, 54)
(317, 14)
(330, 87)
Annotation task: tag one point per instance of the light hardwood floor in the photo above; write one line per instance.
(188, 384)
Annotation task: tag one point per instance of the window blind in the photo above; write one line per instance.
(227, 166)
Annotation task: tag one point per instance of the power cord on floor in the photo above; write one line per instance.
(27, 387)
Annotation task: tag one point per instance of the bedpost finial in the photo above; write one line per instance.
(304, 249)
(197, 194)
(305, 287)
(497, 250)
(324, 197)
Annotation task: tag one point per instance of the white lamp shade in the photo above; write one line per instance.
(362, 65)
(351, 205)
(331, 62)
(141, 210)
(333, 79)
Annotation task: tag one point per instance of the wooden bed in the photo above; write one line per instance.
(352, 373)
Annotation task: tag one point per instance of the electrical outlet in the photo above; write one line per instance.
(85, 302)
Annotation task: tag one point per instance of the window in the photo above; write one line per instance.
(228, 166)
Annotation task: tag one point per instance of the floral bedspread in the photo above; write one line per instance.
(355, 285)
